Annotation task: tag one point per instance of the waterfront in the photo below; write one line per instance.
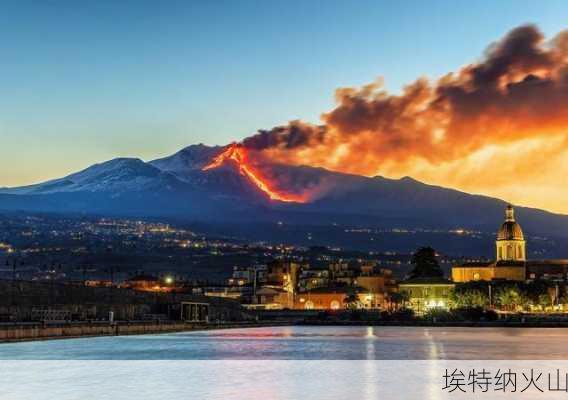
(308, 343)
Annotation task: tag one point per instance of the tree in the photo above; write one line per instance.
(351, 301)
(470, 298)
(539, 293)
(544, 301)
(397, 299)
(425, 264)
(471, 294)
(509, 298)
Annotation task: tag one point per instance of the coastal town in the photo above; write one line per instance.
(274, 281)
(283, 200)
(509, 283)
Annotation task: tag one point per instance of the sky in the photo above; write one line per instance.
(84, 82)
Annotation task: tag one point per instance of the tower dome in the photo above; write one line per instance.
(510, 230)
(510, 239)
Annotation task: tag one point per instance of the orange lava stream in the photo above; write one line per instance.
(237, 153)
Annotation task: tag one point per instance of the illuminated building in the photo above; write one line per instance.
(510, 242)
(283, 274)
(336, 298)
(376, 281)
(488, 271)
(314, 278)
(511, 262)
(427, 293)
(291, 285)
(270, 298)
(230, 292)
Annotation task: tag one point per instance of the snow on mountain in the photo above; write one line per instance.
(189, 159)
(177, 186)
(225, 182)
(179, 175)
(115, 176)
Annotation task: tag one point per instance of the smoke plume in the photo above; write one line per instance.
(492, 127)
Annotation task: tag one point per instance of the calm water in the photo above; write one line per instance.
(308, 343)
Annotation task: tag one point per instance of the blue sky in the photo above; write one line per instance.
(83, 82)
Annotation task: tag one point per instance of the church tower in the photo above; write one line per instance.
(510, 240)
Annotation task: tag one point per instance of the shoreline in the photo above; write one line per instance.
(29, 332)
(449, 324)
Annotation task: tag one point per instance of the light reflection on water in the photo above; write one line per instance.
(308, 343)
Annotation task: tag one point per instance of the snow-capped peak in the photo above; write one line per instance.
(190, 158)
(116, 175)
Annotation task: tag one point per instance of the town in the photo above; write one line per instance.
(124, 260)
(227, 200)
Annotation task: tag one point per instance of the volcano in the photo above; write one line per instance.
(230, 184)
(237, 154)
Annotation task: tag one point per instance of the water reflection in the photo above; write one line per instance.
(308, 343)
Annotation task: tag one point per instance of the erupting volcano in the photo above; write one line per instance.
(238, 154)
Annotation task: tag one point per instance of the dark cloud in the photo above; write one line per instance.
(295, 134)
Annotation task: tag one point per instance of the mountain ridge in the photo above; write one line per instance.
(177, 186)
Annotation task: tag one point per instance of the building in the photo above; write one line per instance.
(556, 270)
(235, 292)
(489, 271)
(427, 293)
(510, 243)
(337, 298)
(313, 278)
(376, 280)
(285, 274)
(270, 298)
(293, 285)
(247, 275)
(511, 262)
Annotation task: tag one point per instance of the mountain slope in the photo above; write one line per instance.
(190, 158)
(115, 176)
(176, 186)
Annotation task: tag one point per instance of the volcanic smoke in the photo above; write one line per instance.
(496, 126)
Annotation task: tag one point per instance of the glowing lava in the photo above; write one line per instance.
(237, 153)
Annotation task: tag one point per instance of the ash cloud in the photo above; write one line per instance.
(477, 129)
(518, 90)
(295, 134)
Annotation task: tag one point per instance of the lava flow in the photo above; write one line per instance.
(237, 153)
